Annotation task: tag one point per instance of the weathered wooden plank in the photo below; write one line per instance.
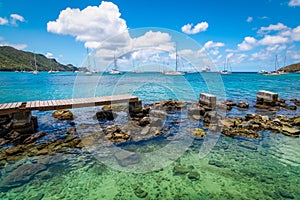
(67, 103)
(8, 105)
(2, 106)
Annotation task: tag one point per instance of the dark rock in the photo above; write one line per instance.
(105, 115)
(5, 119)
(170, 105)
(37, 197)
(139, 192)
(144, 121)
(25, 128)
(217, 163)
(180, 170)
(285, 193)
(115, 134)
(3, 141)
(230, 103)
(63, 115)
(243, 105)
(19, 176)
(210, 117)
(194, 176)
(280, 100)
(34, 137)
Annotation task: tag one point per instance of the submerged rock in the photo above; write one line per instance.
(126, 158)
(180, 170)
(243, 105)
(139, 192)
(194, 176)
(34, 137)
(290, 131)
(198, 133)
(22, 174)
(63, 115)
(105, 115)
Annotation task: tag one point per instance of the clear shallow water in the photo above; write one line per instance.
(266, 168)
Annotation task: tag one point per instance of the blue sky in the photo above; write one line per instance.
(248, 33)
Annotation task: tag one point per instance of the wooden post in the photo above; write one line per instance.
(266, 98)
(135, 108)
(22, 122)
(208, 100)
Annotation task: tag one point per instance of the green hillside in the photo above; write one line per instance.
(12, 59)
(291, 68)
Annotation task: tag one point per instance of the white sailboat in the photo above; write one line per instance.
(274, 73)
(88, 72)
(35, 72)
(226, 68)
(176, 72)
(115, 71)
(51, 71)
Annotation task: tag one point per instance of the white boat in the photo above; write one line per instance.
(176, 72)
(226, 68)
(297, 72)
(262, 71)
(275, 72)
(88, 73)
(115, 71)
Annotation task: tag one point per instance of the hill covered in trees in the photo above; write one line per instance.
(12, 59)
(291, 68)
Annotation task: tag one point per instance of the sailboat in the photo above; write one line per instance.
(274, 73)
(88, 72)
(176, 72)
(51, 71)
(226, 68)
(115, 70)
(35, 71)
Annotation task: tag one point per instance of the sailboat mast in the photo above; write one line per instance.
(35, 61)
(115, 62)
(276, 63)
(176, 64)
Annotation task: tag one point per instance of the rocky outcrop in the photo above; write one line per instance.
(63, 115)
(198, 133)
(169, 105)
(115, 134)
(19, 176)
(243, 105)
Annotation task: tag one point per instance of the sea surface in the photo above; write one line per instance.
(214, 168)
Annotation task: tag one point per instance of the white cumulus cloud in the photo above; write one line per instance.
(247, 44)
(15, 18)
(92, 24)
(190, 29)
(272, 40)
(272, 27)
(211, 44)
(296, 34)
(294, 3)
(3, 21)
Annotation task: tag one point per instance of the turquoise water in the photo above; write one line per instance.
(265, 168)
(16, 87)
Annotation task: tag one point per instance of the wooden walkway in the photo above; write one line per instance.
(9, 108)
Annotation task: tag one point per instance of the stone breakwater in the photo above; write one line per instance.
(144, 123)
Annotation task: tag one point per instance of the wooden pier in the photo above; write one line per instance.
(10, 108)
